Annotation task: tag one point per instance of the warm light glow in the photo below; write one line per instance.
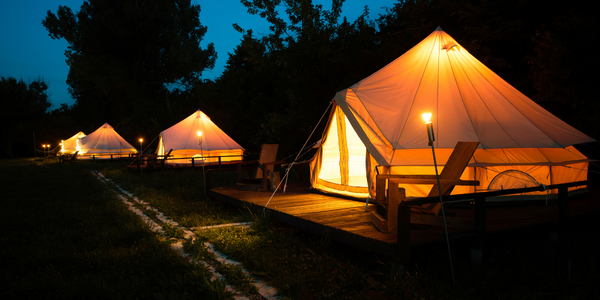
(199, 133)
(427, 117)
(141, 140)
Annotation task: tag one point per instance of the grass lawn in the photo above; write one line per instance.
(65, 235)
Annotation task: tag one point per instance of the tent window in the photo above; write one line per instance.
(512, 179)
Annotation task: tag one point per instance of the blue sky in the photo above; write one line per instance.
(27, 52)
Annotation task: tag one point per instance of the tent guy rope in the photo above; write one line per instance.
(290, 165)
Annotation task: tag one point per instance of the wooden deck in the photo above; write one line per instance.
(347, 221)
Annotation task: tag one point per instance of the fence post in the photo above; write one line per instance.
(563, 208)
(563, 230)
(480, 231)
(193, 164)
(208, 180)
(403, 230)
(219, 162)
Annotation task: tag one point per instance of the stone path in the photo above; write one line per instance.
(132, 201)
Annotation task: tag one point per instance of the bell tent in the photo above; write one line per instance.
(104, 143)
(71, 145)
(375, 127)
(198, 137)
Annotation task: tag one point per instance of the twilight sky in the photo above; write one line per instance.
(27, 52)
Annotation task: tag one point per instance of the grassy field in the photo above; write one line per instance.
(65, 235)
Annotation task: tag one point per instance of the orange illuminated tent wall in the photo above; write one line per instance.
(375, 127)
(185, 143)
(104, 143)
(71, 145)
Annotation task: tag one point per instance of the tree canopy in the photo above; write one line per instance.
(125, 55)
(282, 82)
(24, 106)
(138, 64)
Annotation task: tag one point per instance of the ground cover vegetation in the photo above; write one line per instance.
(143, 73)
(66, 235)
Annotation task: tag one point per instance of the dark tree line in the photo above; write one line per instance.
(138, 64)
(126, 56)
(286, 79)
(24, 107)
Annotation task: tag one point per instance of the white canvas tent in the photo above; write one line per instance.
(104, 143)
(376, 127)
(182, 138)
(71, 145)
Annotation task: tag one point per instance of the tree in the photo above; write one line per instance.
(282, 82)
(564, 70)
(23, 106)
(123, 55)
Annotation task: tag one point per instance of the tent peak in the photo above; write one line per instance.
(439, 28)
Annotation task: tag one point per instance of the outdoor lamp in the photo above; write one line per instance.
(141, 141)
(429, 125)
(431, 138)
(199, 137)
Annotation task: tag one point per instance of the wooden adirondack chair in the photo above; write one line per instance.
(385, 215)
(153, 161)
(68, 157)
(264, 172)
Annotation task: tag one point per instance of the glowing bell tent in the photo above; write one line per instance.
(375, 127)
(185, 142)
(104, 143)
(71, 145)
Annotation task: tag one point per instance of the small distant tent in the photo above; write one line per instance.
(104, 143)
(71, 145)
(183, 139)
(376, 127)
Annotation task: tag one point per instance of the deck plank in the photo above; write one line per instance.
(351, 223)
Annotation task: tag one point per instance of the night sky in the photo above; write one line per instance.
(27, 52)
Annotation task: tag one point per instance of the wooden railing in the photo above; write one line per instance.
(145, 159)
(479, 228)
